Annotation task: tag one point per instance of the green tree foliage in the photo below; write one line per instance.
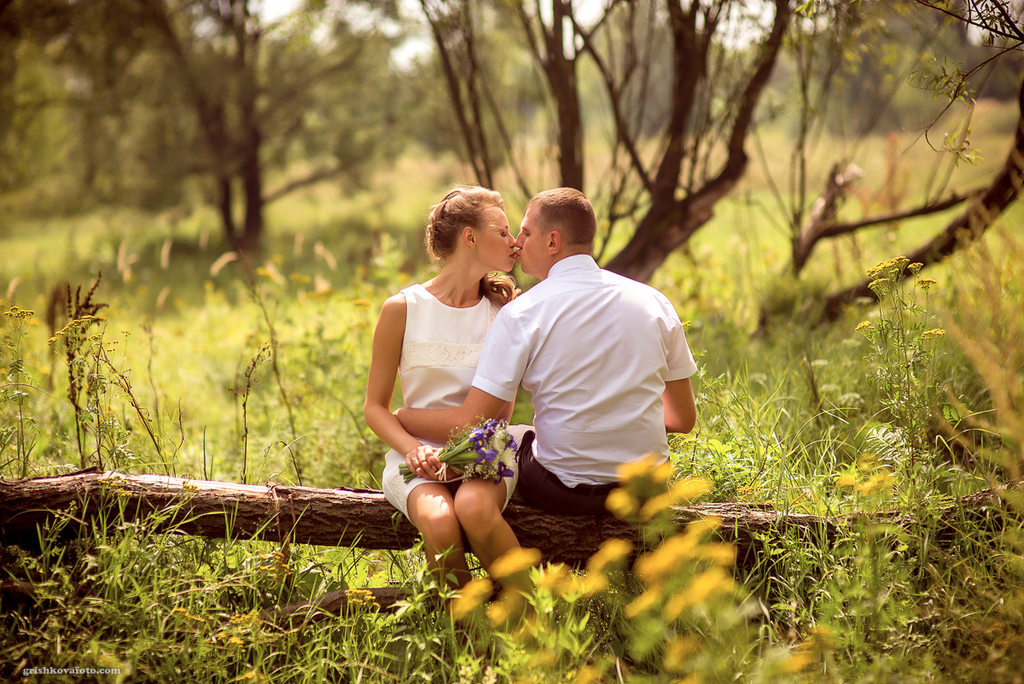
(160, 92)
(652, 107)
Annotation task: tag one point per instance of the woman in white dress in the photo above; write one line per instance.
(432, 334)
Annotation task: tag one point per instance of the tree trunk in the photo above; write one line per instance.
(671, 222)
(561, 75)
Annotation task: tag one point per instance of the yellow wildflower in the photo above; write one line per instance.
(689, 488)
(926, 283)
(621, 503)
(846, 481)
(663, 561)
(362, 304)
(678, 650)
(588, 675)
(880, 480)
(505, 607)
(648, 467)
(642, 603)
(709, 583)
(611, 551)
(471, 596)
(515, 561)
(889, 268)
(656, 505)
(594, 583)
(863, 325)
(555, 578)
(723, 554)
(933, 333)
(796, 662)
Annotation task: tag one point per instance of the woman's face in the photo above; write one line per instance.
(495, 247)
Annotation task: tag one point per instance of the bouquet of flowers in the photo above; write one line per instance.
(484, 451)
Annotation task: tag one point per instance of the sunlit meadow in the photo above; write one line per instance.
(178, 358)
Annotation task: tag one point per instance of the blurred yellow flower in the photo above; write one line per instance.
(934, 332)
(611, 551)
(621, 503)
(642, 603)
(689, 488)
(678, 650)
(560, 580)
(505, 607)
(846, 481)
(881, 480)
(796, 662)
(723, 554)
(588, 675)
(651, 466)
(703, 526)
(471, 596)
(663, 561)
(516, 560)
(594, 583)
(709, 583)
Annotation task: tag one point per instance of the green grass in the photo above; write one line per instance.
(178, 376)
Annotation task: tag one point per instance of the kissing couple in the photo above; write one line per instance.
(604, 357)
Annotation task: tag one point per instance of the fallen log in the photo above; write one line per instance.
(363, 518)
(329, 517)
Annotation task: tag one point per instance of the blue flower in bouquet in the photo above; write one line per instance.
(485, 451)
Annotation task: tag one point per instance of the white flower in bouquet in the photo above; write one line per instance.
(485, 451)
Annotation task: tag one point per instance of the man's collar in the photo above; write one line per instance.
(573, 262)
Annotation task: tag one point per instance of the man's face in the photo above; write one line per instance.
(532, 245)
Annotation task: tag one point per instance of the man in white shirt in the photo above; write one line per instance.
(605, 358)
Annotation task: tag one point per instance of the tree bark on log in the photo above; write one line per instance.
(329, 517)
(364, 518)
(70, 504)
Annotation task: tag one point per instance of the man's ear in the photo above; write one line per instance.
(554, 242)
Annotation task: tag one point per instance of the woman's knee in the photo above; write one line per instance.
(437, 521)
(478, 503)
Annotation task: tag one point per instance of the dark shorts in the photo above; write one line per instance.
(541, 488)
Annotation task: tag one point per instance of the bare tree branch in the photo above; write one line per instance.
(979, 216)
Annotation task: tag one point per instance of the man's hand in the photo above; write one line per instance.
(437, 425)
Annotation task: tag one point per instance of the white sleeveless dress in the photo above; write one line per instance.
(440, 351)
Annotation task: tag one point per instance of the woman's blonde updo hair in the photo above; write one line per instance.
(465, 206)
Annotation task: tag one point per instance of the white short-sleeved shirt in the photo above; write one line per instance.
(595, 349)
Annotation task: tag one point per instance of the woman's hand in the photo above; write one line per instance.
(423, 461)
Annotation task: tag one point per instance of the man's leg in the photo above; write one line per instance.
(542, 488)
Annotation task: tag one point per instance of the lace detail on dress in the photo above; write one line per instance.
(440, 354)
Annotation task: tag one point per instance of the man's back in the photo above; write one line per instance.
(595, 349)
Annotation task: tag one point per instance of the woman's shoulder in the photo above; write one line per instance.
(395, 305)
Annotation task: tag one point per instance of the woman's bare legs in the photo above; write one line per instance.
(432, 511)
(478, 504)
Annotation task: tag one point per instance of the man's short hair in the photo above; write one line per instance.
(568, 211)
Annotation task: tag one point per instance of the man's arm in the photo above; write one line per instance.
(680, 408)
(438, 424)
